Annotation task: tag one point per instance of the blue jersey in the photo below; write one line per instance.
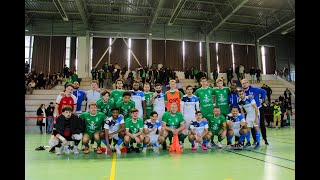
(233, 100)
(189, 105)
(247, 105)
(199, 126)
(256, 92)
(113, 124)
(137, 97)
(235, 120)
(80, 95)
(150, 125)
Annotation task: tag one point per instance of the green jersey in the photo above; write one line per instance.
(117, 94)
(221, 96)
(149, 108)
(94, 123)
(215, 123)
(105, 107)
(205, 98)
(125, 108)
(172, 121)
(134, 127)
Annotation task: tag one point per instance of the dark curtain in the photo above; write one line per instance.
(58, 53)
(224, 57)
(40, 54)
(99, 46)
(203, 57)
(139, 48)
(192, 55)
(158, 51)
(174, 59)
(240, 54)
(119, 53)
(270, 59)
(213, 56)
(251, 59)
(73, 55)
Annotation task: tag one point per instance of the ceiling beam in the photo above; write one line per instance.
(176, 12)
(228, 16)
(293, 9)
(82, 11)
(61, 10)
(156, 14)
(284, 24)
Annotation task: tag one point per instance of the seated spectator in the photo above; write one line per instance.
(32, 86)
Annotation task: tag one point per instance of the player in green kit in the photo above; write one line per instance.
(125, 104)
(205, 97)
(134, 126)
(105, 103)
(221, 97)
(173, 123)
(148, 96)
(217, 126)
(117, 93)
(94, 122)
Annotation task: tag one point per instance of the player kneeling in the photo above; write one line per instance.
(113, 130)
(68, 127)
(153, 132)
(236, 127)
(134, 126)
(199, 132)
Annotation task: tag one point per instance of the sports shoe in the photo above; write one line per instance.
(137, 150)
(123, 150)
(155, 149)
(236, 147)
(52, 150)
(66, 150)
(39, 148)
(117, 148)
(144, 149)
(204, 147)
(164, 146)
(131, 148)
(257, 145)
(209, 145)
(75, 150)
(212, 144)
(99, 151)
(60, 150)
(194, 147)
(219, 145)
(240, 147)
(248, 144)
(182, 145)
(86, 150)
(266, 142)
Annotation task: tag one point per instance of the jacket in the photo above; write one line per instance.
(256, 92)
(77, 126)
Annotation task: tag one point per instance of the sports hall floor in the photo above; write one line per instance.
(273, 162)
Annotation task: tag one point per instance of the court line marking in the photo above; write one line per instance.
(281, 142)
(113, 166)
(259, 159)
(269, 155)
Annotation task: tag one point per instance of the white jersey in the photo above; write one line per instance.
(236, 121)
(247, 105)
(92, 96)
(189, 105)
(148, 124)
(159, 104)
(199, 126)
(113, 124)
(137, 97)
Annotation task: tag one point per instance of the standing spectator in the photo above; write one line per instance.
(229, 76)
(49, 113)
(215, 75)
(241, 71)
(186, 74)
(32, 85)
(75, 76)
(258, 74)
(105, 67)
(26, 67)
(268, 90)
(65, 71)
(40, 81)
(191, 73)
(237, 72)
(195, 72)
(94, 73)
(92, 95)
(59, 78)
(283, 109)
(101, 77)
(269, 114)
(281, 98)
(276, 115)
(41, 119)
(287, 95)
(252, 74)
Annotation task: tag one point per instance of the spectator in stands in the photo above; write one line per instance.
(41, 81)
(283, 110)
(49, 113)
(269, 114)
(258, 75)
(41, 113)
(195, 72)
(252, 74)
(54, 82)
(105, 67)
(26, 67)
(101, 77)
(276, 115)
(94, 73)
(94, 94)
(215, 75)
(186, 74)
(191, 72)
(59, 78)
(281, 98)
(32, 86)
(25, 87)
(268, 90)
(237, 72)
(229, 76)
(116, 74)
(75, 76)
(289, 114)
(241, 71)
(287, 94)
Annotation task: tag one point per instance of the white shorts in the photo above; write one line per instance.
(115, 136)
(236, 132)
(153, 139)
(250, 122)
(77, 136)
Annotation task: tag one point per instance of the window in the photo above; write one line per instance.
(76, 54)
(232, 51)
(129, 56)
(148, 52)
(183, 53)
(200, 49)
(28, 43)
(91, 51)
(68, 49)
(263, 60)
(217, 58)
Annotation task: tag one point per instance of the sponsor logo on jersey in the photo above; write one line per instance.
(174, 100)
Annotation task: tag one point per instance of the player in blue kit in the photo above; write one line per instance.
(199, 132)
